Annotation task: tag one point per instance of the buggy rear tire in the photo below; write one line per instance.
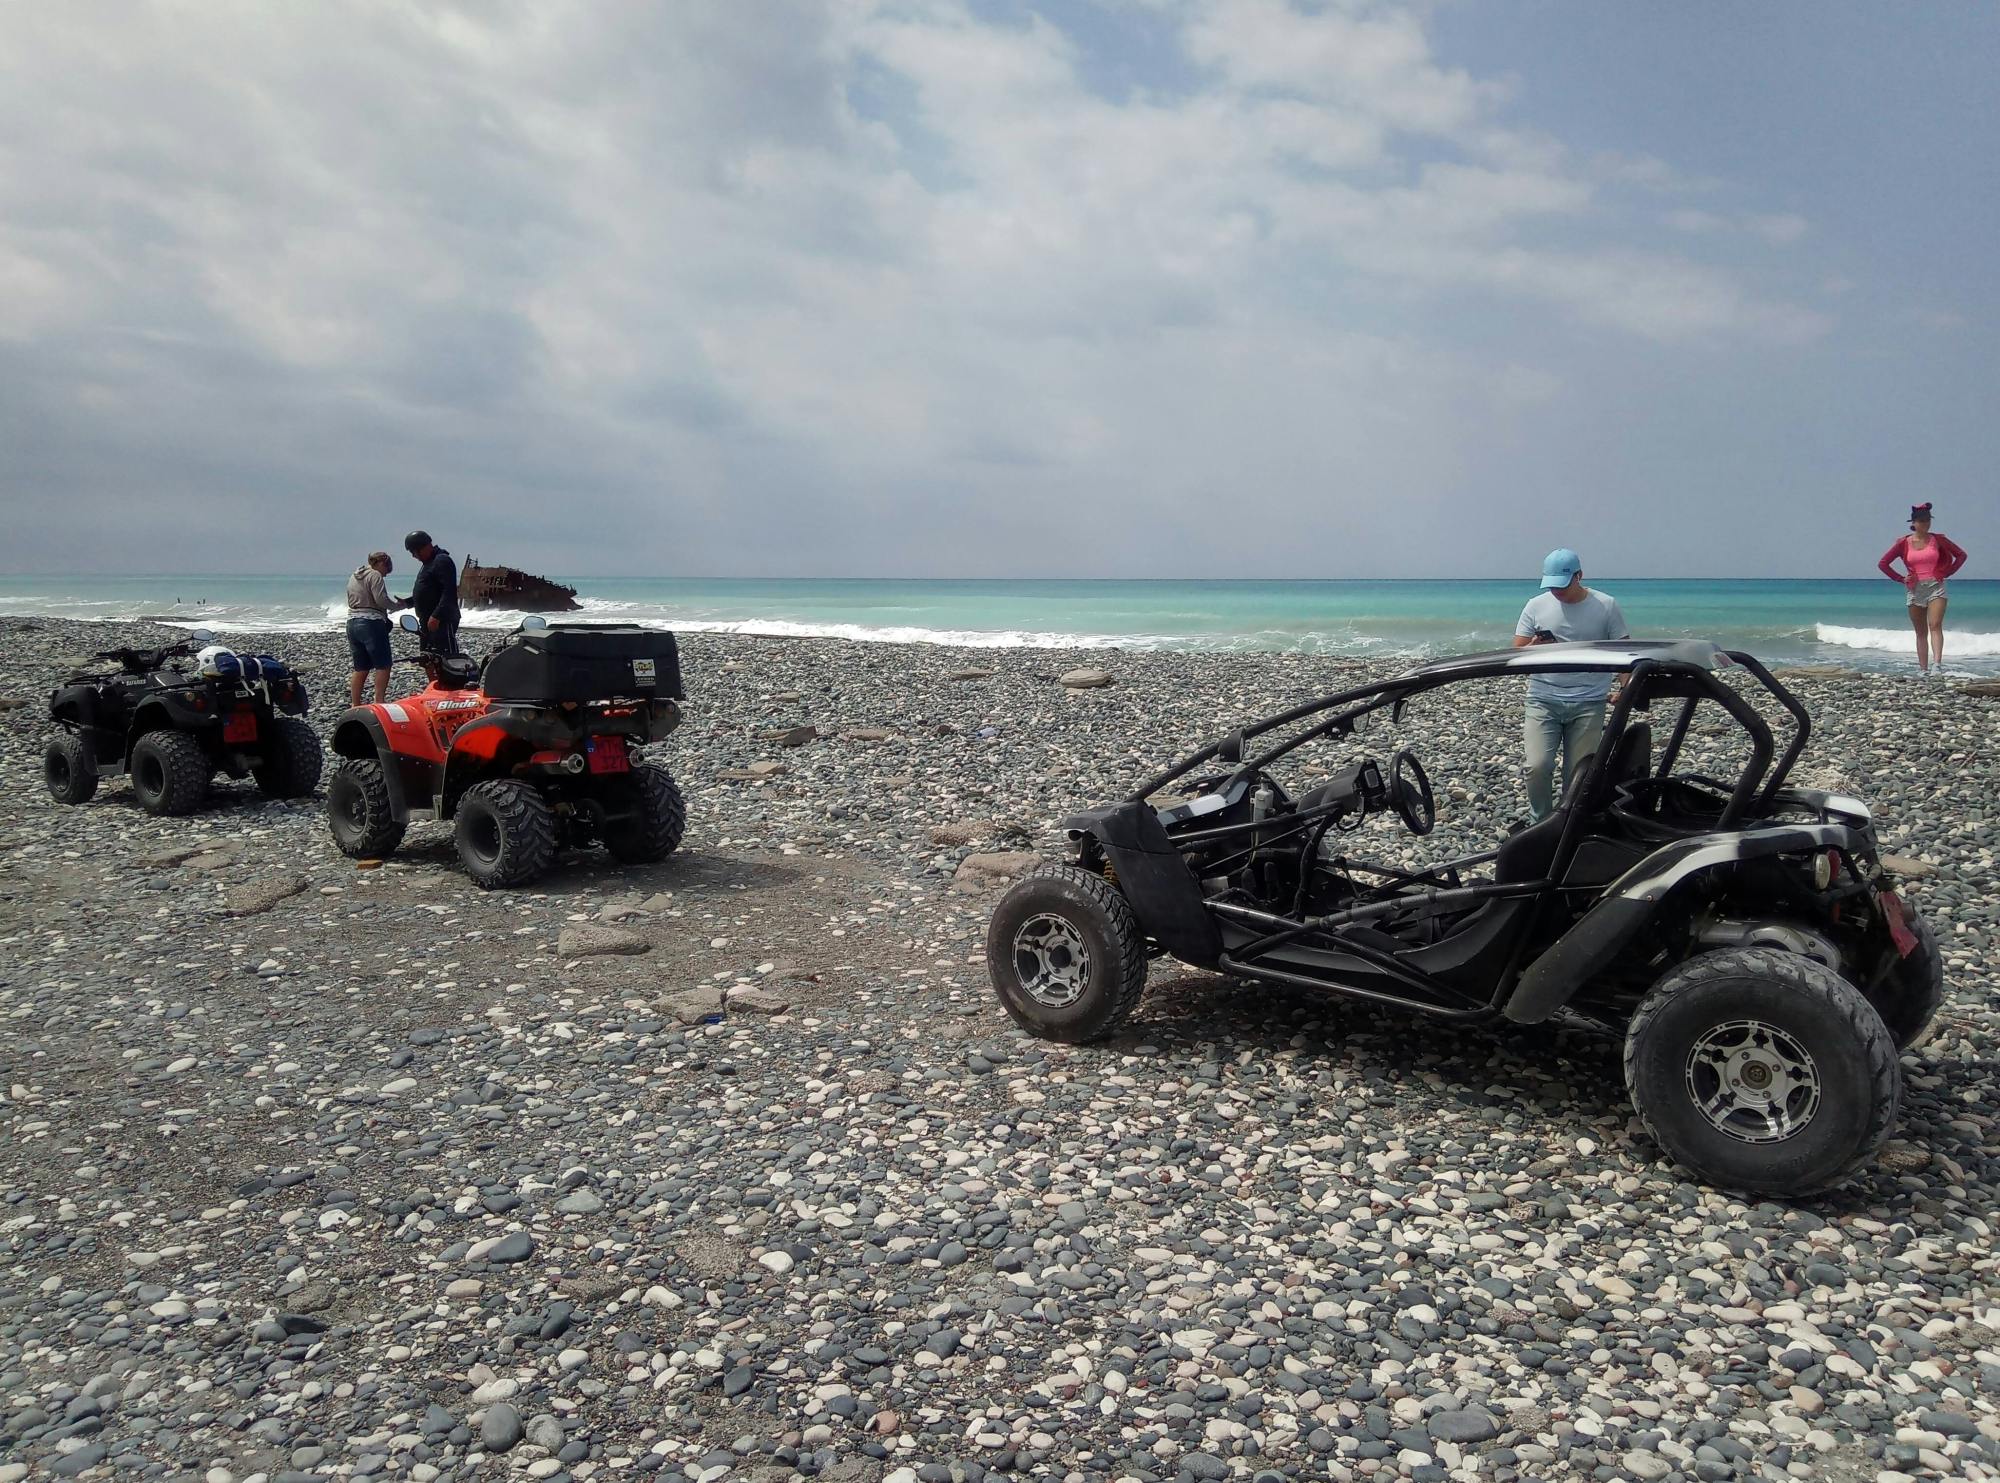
(1762, 1071)
(69, 768)
(1910, 1000)
(170, 773)
(1066, 954)
(358, 811)
(505, 832)
(658, 821)
(292, 760)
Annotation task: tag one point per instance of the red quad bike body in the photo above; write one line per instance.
(533, 750)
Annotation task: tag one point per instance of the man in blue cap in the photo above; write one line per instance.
(1564, 710)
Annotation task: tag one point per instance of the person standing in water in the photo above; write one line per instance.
(1928, 559)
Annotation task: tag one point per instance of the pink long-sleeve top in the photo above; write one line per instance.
(1930, 563)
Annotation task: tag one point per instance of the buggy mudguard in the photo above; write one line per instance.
(1154, 878)
(358, 734)
(1629, 902)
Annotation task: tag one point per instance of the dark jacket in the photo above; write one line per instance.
(435, 592)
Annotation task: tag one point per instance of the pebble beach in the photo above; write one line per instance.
(731, 1166)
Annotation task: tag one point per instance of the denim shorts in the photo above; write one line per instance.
(368, 641)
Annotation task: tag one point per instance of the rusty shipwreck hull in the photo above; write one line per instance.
(508, 587)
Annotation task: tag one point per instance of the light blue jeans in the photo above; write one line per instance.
(1573, 725)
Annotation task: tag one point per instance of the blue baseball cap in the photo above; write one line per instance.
(1559, 568)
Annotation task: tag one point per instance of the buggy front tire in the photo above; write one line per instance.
(292, 760)
(658, 821)
(1066, 954)
(505, 832)
(359, 814)
(69, 768)
(1762, 1071)
(170, 773)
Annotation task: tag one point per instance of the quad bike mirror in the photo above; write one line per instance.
(201, 636)
(534, 623)
(409, 624)
(1230, 748)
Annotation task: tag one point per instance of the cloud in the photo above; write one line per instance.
(844, 286)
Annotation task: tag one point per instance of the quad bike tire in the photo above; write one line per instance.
(358, 810)
(170, 773)
(292, 760)
(658, 823)
(1763, 1071)
(505, 832)
(1914, 993)
(69, 768)
(1066, 954)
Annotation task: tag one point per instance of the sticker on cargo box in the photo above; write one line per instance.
(643, 672)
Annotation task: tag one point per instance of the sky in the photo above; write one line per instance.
(1170, 288)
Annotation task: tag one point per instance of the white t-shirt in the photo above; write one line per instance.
(1593, 616)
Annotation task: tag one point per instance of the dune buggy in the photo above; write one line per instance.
(1741, 935)
(174, 725)
(525, 753)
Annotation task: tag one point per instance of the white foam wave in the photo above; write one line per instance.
(1957, 645)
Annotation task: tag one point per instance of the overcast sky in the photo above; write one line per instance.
(1142, 287)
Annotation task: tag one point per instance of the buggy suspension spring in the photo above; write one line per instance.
(1110, 871)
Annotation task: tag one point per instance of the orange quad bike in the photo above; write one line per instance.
(530, 751)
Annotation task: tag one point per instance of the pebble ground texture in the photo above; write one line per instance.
(312, 1172)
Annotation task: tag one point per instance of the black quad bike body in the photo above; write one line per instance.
(524, 754)
(173, 724)
(1741, 935)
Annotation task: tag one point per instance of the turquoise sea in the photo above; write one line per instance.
(1854, 622)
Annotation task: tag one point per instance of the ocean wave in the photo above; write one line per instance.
(1957, 645)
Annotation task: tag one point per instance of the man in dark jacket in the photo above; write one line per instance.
(434, 594)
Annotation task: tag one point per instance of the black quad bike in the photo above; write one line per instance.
(174, 717)
(526, 753)
(1742, 936)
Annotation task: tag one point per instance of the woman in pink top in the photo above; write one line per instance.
(1927, 560)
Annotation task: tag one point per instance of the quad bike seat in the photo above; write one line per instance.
(456, 672)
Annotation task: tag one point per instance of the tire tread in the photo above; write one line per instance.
(528, 832)
(186, 771)
(1814, 980)
(1129, 941)
(292, 760)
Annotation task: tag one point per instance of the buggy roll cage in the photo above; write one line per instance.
(1687, 665)
(1656, 670)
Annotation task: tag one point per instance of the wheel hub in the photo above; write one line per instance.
(1052, 960)
(1753, 1081)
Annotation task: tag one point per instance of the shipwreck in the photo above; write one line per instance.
(507, 587)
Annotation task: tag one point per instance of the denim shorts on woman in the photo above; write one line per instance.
(368, 640)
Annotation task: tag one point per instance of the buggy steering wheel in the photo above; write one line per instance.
(1410, 793)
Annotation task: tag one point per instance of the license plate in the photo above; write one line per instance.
(644, 672)
(606, 756)
(241, 727)
(1899, 927)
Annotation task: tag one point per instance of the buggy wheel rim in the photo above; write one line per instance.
(1052, 960)
(56, 769)
(1753, 1082)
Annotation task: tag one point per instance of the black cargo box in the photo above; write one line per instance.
(586, 661)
